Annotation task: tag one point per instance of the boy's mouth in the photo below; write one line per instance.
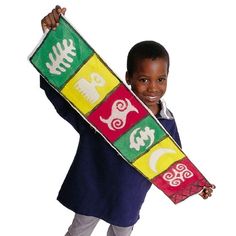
(152, 98)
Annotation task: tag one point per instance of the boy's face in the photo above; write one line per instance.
(149, 81)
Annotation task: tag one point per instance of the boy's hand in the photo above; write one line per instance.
(207, 191)
(51, 20)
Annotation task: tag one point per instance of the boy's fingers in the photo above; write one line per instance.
(56, 15)
(60, 10)
(213, 186)
(43, 24)
(63, 11)
(57, 7)
(44, 27)
(46, 23)
(52, 20)
(206, 192)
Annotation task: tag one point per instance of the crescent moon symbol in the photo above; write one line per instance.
(156, 156)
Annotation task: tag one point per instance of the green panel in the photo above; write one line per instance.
(140, 138)
(68, 59)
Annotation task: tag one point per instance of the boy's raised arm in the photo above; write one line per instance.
(64, 109)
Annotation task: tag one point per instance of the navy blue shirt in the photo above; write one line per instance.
(99, 182)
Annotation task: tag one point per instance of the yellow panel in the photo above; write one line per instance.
(90, 85)
(159, 158)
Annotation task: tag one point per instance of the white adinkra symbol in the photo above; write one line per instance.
(177, 175)
(119, 111)
(61, 57)
(88, 89)
(144, 135)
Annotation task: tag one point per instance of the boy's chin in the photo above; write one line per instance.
(151, 103)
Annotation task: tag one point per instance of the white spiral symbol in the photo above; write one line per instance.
(180, 167)
(177, 175)
(117, 123)
(185, 172)
(168, 176)
(121, 105)
(175, 182)
(119, 111)
(172, 179)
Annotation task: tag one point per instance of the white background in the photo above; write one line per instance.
(37, 146)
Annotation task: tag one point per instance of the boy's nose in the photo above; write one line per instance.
(152, 87)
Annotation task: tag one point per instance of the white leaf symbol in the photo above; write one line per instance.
(61, 57)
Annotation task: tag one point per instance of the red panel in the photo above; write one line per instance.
(117, 114)
(180, 181)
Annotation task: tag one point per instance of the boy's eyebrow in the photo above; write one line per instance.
(164, 75)
(145, 75)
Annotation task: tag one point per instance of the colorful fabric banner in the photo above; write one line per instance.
(71, 66)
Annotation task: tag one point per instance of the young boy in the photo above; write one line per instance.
(100, 184)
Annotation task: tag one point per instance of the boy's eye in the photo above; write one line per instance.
(161, 79)
(143, 80)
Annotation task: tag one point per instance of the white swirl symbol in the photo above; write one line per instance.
(177, 175)
(119, 111)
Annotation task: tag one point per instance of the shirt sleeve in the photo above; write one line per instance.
(175, 134)
(63, 108)
(171, 128)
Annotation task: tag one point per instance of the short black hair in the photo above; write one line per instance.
(146, 49)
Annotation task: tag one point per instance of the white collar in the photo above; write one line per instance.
(165, 112)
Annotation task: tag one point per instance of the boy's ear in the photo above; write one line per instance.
(127, 78)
